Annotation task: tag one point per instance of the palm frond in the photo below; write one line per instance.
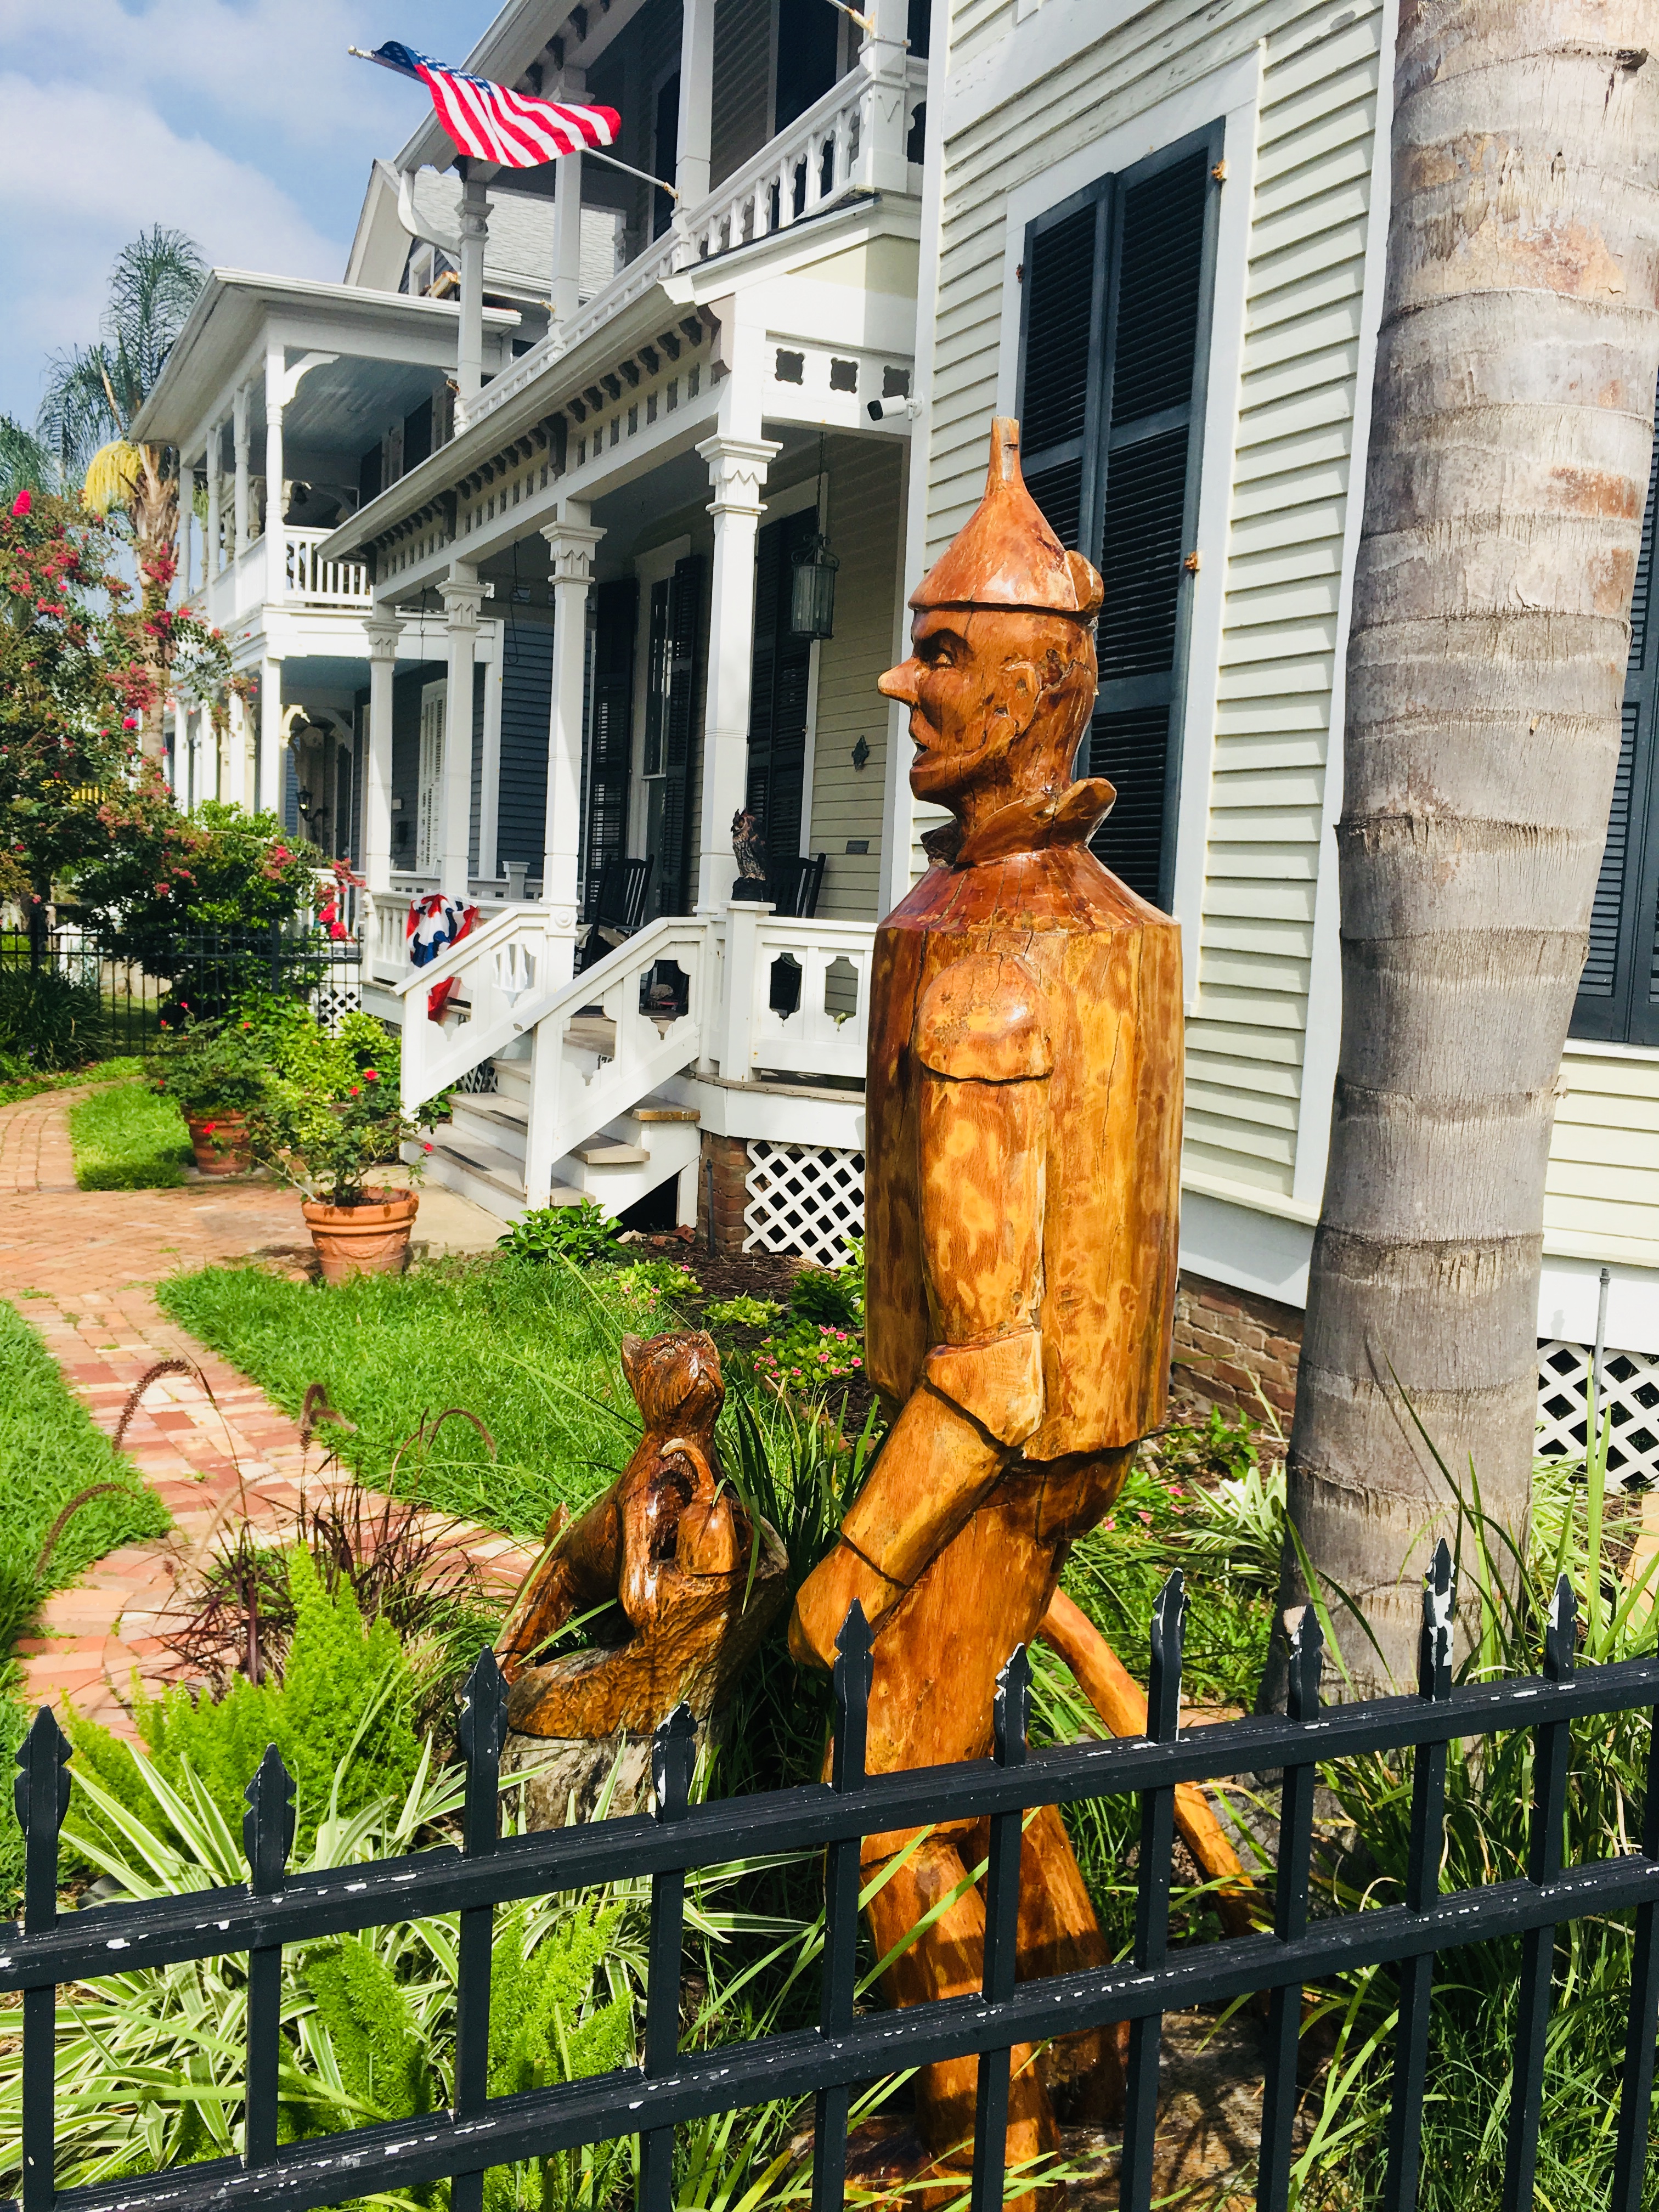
(95, 391)
(24, 463)
(111, 477)
(77, 416)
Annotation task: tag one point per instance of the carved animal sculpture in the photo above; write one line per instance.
(696, 1579)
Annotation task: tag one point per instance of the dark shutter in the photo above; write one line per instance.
(684, 614)
(610, 732)
(1619, 991)
(780, 674)
(526, 710)
(1115, 334)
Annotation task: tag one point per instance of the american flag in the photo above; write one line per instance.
(493, 123)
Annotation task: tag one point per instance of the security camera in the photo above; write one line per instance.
(881, 410)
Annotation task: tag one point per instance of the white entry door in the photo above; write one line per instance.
(429, 815)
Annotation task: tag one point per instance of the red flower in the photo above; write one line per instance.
(21, 504)
(131, 722)
(371, 1075)
(426, 1148)
(356, 1091)
(208, 1127)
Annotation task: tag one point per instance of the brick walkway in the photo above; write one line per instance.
(79, 1266)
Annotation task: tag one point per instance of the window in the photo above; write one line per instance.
(1114, 339)
(611, 733)
(430, 802)
(1619, 991)
(676, 606)
(780, 680)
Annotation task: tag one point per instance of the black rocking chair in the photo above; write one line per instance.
(618, 909)
(793, 883)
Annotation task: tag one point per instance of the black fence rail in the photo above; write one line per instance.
(668, 2086)
(125, 1002)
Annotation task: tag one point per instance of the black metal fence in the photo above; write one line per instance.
(668, 2086)
(125, 1002)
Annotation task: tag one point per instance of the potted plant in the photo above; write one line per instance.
(214, 1073)
(328, 1149)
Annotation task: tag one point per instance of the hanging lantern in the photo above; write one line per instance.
(812, 596)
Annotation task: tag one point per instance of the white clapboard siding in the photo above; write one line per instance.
(1601, 1196)
(1289, 488)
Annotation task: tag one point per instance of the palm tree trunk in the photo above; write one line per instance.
(156, 540)
(1511, 427)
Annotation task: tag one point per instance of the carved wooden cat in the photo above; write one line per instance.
(696, 1579)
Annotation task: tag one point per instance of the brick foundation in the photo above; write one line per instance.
(729, 1158)
(1228, 1345)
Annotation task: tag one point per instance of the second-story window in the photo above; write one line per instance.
(1115, 336)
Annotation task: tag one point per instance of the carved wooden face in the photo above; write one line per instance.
(996, 695)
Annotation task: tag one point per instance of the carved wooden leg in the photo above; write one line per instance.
(948, 1960)
(1122, 1704)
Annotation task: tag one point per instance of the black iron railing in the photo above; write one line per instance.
(668, 2086)
(126, 1000)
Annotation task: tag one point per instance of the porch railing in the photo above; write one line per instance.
(665, 2087)
(322, 583)
(826, 150)
(749, 991)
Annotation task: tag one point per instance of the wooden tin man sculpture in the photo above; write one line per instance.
(1024, 1134)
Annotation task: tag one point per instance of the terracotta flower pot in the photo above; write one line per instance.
(219, 1142)
(370, 1239)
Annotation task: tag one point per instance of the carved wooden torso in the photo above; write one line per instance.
(1034, 967)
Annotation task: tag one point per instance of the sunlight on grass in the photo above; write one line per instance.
(127, 1139)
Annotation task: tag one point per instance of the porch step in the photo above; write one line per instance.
(604, 1155)
(489, 1176)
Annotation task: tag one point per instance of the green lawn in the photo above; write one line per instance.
(127, 1139)
(49, 1451)
(530, 1350)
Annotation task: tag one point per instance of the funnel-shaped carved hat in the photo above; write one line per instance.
(1006, 555)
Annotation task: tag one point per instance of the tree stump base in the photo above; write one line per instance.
(566, 1778)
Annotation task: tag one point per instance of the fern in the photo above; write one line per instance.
(376, 2042)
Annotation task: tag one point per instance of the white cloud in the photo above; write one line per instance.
(82, 171)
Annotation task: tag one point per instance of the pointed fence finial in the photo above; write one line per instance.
(268, 1823)
(1435, 1642)
(1164, 1680)
(1011, 1709)
(673, 1755)
(1561, 1633)
(41, 1796)
(854, 1671)
(1307, 1663)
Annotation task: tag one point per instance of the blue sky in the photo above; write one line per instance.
(243, 122)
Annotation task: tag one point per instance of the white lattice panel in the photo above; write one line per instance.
(804, 1198)
(331, 1000)
(1630, 1392)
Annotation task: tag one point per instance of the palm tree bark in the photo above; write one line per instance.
(1511, 429)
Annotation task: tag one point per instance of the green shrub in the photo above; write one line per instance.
(810, 1355)
(124, 1137)
(742, 1313)
(579, 1234)
(47, 1020)
(210, 1067)
(339, 1717)
(826, 1295)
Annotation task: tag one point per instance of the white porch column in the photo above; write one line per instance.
(383, 630)
(183, 548)
(566, 290)
(236, 777)
(216, 520)
(692, 144)
(238, 431)
(571, 542)
(275, 569)
(882, 163)
(474, 233)
(463, 595)
(269, 781)
(737, 470)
